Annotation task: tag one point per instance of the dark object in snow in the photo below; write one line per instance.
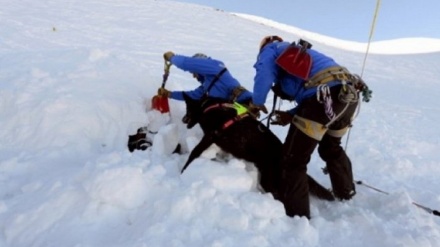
(143, 139)
(139, 141)
(245, 138)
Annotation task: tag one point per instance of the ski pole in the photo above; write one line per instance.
(434, 212)
(371, 187)
(429, 210)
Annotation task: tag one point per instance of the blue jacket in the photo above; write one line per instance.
(207, 69)
(268, 72)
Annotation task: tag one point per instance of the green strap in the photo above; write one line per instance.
(241, 109)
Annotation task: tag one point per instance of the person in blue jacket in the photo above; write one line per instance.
(326, 99)
(215, 80)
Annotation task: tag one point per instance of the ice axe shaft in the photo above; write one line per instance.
(166, 73)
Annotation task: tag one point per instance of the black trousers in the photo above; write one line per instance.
(298, 148)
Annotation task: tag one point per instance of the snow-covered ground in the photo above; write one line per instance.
(77, 77)
(414, 45)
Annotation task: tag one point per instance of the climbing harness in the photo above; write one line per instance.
(309, 127)
(324, 97)
(234, 120)
(348, 95)
(241, 109)
(242, 112)
(216, 78)
(335, 73)
(352, 85)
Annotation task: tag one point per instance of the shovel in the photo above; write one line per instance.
(158, 102)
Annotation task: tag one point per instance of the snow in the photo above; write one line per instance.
(77, 77)
(395, 46)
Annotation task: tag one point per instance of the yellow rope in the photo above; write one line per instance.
(373, 24)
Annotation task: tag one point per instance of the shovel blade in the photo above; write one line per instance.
(295, 62)
(160, 103)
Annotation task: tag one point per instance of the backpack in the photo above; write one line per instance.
(295, 60)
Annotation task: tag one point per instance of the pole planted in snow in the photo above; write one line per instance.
(427, 209)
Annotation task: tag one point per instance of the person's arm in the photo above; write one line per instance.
(266, 73)
(193, 94)
(202, 66)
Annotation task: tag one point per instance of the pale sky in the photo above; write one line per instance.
(345, 19)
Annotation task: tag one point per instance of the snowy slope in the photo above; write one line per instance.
(75, 80)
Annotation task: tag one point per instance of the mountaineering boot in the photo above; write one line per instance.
(338, 167)
(341, 178)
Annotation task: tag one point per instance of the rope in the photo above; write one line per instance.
(373, 25)
(323, 96)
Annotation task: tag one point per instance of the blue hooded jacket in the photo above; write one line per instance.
(268, 72)
(207, 69)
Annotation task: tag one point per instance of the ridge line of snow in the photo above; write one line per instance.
(391, 47)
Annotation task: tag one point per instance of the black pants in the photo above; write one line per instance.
(298, 148)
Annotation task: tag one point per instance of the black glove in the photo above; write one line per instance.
(282, 118)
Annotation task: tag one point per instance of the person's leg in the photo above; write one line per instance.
(338, 167)
(297, 150)
(307, 129)
(330, 149)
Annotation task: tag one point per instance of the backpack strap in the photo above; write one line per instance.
(214, 81)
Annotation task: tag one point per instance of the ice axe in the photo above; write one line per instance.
(159, 102)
